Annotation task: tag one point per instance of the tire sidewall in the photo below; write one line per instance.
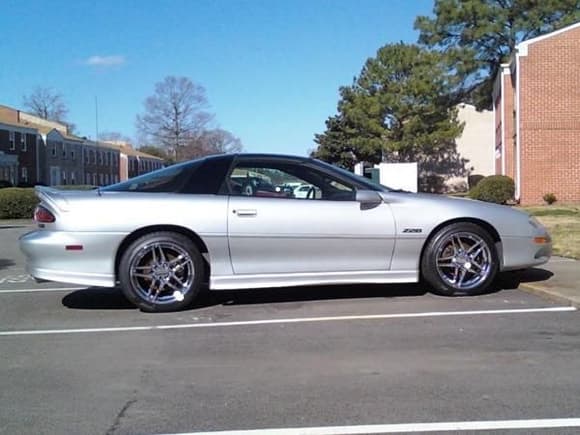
(125, 278)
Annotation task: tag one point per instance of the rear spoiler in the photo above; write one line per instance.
(52, 197)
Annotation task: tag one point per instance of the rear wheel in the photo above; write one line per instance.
(161, 272)
(460, 259)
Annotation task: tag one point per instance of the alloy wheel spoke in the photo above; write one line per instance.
(178, 280)
(446, 264)
(180, 264)
(173, 286)
(162, 258)
(456, 273)
(476, 253)
(474, 246)
(461, 277)
(477, 265)
(151, 289)
(143, 275)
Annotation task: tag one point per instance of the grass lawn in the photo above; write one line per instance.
(563, 222)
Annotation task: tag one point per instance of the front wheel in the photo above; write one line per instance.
(161, 272)
(460, 259)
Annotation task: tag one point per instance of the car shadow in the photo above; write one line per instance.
(512, 280)
(5, 262)
(112, 299)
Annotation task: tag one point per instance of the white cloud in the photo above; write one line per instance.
(105, 60)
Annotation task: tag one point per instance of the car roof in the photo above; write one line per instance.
(265, 156)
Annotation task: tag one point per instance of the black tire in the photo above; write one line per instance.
(439, 244)
(141, 251)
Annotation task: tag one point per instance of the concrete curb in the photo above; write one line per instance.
(550, 294)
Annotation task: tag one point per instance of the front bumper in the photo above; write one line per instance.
(47, 257)
(525, 252)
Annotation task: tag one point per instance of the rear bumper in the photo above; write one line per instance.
(48, 259)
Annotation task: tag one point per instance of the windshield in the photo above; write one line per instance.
(167, 180)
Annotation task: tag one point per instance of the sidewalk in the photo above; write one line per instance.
(563, 286)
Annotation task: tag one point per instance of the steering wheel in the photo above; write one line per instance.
(311, 191)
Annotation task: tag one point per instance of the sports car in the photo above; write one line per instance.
(221, 222)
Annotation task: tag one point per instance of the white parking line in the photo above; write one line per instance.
(40, 290)
(286, 321)
(408, 427)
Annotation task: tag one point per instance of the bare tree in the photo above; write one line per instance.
(216, 141)
(175, 114)
(46, 104)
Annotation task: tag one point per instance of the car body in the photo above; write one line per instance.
(234, 237)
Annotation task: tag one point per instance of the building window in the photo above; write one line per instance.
(86, 154)
(64, 150)
(72, 154)
(72, 177)
(53, 151)
(11, 139)
(64, 177)
(24, 174)
(23, 141)
(88, 178)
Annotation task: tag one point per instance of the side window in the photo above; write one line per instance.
(286, 181)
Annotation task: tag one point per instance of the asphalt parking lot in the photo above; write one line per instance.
(349, 359)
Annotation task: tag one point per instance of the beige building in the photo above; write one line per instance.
(475, 145)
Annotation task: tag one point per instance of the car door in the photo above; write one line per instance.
(271, 231)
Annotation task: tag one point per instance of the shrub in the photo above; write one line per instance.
(495, 188)
(17, 203)
(5, 183)
(473, 180)
(549, 198)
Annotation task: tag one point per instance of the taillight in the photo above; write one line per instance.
(43, 216)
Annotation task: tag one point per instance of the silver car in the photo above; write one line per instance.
(220, 220)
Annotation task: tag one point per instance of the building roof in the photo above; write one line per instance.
(528, 42)
(127, 149)
(15, 124)
(11, 116)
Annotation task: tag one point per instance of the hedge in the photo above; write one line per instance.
(17, 203)
(495, 188)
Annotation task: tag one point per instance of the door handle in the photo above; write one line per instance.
(246, 212)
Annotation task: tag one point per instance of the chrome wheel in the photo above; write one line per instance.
(464, 260)
(162, 272)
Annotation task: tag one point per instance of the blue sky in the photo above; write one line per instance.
(271, 68)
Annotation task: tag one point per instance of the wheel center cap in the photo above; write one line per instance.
(161, 271)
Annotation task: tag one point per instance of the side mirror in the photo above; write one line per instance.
(368, 199)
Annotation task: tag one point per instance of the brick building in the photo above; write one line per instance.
(37, 151)
(537, 117)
